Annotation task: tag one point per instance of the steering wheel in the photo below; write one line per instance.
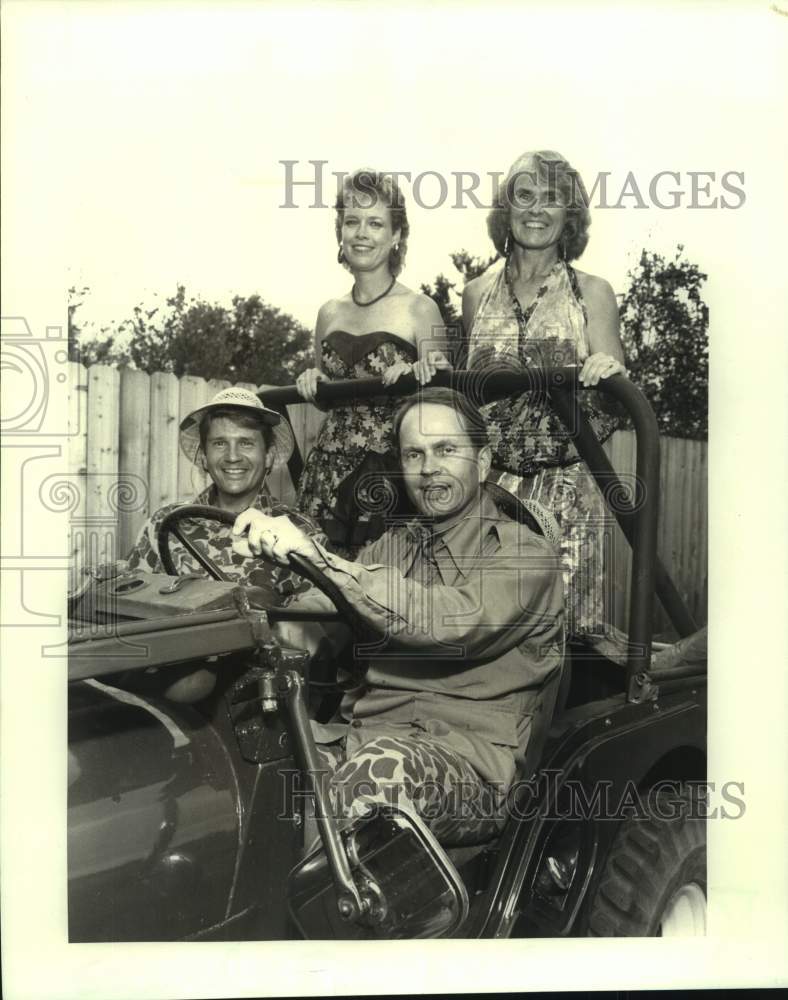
(171, 526)
(344, 610)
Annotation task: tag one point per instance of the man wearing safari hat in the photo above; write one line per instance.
(237, 441)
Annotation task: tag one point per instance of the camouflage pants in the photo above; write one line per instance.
(438, 784)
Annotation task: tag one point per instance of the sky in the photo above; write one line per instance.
(142, 147)
(168, 124)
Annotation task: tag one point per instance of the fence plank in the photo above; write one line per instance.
(676, 498)
(662, 626)
(682, 511)
(314, 421)
(217, 384)
(682, 530)
(163, 451)
(194, 392)
(306, 421)
(298, 414)
(690, 500)
(135, 412)
(77, 467)
(693, 509)
(700, 573)
(102, 463)
(280, 484)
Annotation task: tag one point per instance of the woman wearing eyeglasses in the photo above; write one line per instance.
(532, 308)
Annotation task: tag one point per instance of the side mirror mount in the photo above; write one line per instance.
(409, 887)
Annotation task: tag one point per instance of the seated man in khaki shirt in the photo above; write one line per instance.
(469, 606)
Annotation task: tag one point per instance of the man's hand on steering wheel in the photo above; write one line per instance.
(278, 539)
(273, 538)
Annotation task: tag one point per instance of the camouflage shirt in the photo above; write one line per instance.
(215, 540)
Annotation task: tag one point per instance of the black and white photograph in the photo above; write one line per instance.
(393, 498)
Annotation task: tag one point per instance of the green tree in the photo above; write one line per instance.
(250, 341)
(664, 329)
(448, 300)
(76, 299)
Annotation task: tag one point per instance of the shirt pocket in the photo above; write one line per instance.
(502, 728)
(487, 721)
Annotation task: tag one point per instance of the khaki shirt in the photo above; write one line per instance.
(472, 622)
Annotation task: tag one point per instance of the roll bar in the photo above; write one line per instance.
(637, 516)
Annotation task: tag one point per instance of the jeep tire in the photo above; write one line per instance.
(654, 880)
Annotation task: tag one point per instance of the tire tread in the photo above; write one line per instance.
(647, 857)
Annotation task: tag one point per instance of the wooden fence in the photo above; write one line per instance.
(125, 463)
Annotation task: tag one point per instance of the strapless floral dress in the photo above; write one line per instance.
(349, 482)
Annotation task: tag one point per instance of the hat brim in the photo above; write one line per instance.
(284, 442)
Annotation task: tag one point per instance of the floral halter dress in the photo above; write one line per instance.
(349, 478)
(533, 455)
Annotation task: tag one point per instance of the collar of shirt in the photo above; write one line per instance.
(449, 543)
(209, 497)
(217, 539)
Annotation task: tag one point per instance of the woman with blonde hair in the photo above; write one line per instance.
(532, 308)
(379, 328)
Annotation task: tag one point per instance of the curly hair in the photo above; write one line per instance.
(368, 186)
(558, 172)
